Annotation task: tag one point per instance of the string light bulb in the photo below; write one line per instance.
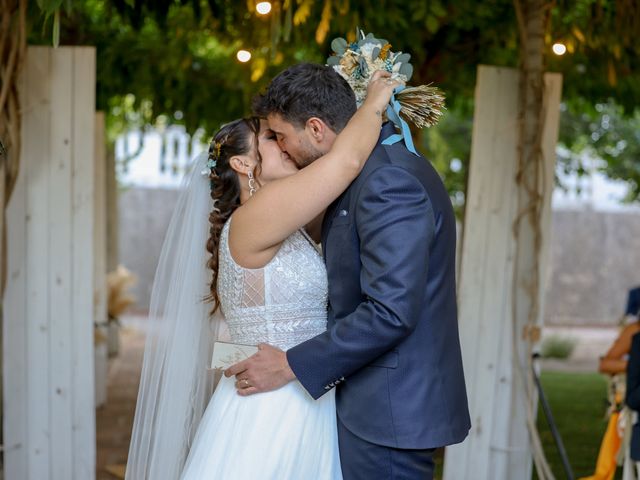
(243, 56)
(559, 49)
(263, 7)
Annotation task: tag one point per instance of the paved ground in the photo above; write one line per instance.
(114, 420)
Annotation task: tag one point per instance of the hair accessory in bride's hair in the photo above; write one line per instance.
(214, 156)
(356, 62)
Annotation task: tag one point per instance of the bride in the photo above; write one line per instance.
(266, 283)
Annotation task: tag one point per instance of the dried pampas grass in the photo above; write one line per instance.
(423, 105)
(118, 282)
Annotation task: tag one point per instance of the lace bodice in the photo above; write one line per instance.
(283, 304)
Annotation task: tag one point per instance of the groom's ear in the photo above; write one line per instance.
(317, 129)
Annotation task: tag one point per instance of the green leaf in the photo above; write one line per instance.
(375, 53)
(49, 6)
(339, 45)
(288, 24)
(333, 60)
(403, 58)
(432, 23)
(56, 29)
(407, 70)
(438, 9)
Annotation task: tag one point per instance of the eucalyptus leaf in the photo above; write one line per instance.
(375, 53)
(333, 60)
(407, 70)
(402, 58)
(339, 45)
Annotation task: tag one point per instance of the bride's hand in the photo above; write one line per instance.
(380, 89)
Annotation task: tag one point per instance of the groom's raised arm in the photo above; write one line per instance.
(396, 225)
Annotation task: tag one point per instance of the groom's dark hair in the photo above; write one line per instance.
(308, 90)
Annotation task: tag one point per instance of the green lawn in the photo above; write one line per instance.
(578, 403)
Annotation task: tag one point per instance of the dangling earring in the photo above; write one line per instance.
(252, 184)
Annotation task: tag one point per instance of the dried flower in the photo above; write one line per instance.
(118, 282)
(356, 63)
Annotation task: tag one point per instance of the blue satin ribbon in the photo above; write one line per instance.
(393, 114)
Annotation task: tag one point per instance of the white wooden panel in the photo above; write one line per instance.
(61, 258)
(499, 88)
(49, 423)
(497, 317)
(35, 166)
(83, 181)
(498, 444)
(486, 240)
(100, 256)
(14, 351)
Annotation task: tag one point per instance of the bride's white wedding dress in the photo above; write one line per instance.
(283, 434)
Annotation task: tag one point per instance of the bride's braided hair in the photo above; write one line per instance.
(239, 137)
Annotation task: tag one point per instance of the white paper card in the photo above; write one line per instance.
(226, 354)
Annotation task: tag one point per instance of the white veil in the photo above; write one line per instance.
(175, 384)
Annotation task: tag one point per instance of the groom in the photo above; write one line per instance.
(391, 347)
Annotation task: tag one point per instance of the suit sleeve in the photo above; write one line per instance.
(395, 223)
(633, 375)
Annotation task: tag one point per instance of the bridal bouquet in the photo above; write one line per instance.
(356, 62)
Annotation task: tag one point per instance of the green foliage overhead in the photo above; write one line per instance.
(448, 147)
(172, 51)
(173, 61)
(605, 133)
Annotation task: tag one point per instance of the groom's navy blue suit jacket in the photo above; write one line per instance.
(392, 345)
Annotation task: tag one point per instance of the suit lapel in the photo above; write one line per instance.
(387, 130)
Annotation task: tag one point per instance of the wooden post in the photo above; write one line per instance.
(113, 255)
(498, 444)
(100, 261)
(49, 421)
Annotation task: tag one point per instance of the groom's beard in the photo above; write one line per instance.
(307, 155)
